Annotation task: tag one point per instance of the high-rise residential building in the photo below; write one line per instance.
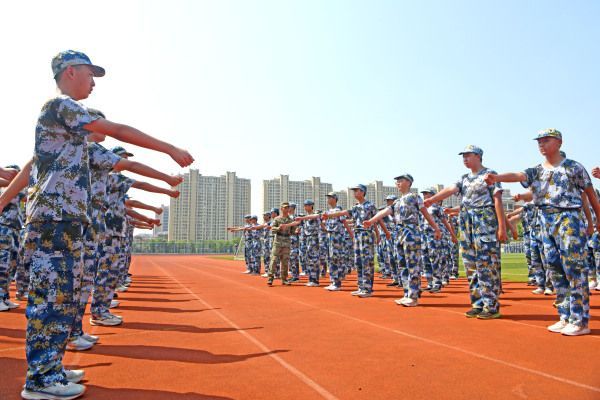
(282, 189)
(163, 229)
(207, 205)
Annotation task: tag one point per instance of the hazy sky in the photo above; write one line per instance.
(349, 91)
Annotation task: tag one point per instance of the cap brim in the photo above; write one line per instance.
(99, 72)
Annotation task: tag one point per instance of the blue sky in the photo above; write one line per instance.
(349, 91)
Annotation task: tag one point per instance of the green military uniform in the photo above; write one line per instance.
(281, 247)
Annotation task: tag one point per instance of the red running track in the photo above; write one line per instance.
(196, 328)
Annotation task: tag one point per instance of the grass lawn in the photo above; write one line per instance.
(514, 266)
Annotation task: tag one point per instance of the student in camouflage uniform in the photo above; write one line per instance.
(274, 214)
(267, 241)
(437, 251)
(11, 222)
(364, 239)
(335, 228)
(406, 210)
(310, 225)
(294, 248)
(483, 228)
(56, 219)
(281, 229)
(560, 186)
(323, 248)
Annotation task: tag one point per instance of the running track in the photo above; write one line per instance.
(196, 328)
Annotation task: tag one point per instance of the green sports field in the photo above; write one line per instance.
(514, 267)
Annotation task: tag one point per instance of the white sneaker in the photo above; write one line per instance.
(593, 285)
(107, 320)
(302, 273)
(548, 292)
(79, 344)
(575, 330)
(558, 326)
(363, 295)
(114, 304)
(538, 291)
(121, 289)
(247, 272)
(74, 375)
(11, 304)
(333, 288)
(407, 302)
(128, 281)
(3, 306)
(55, 392)
(265, 275)
(357, 292)
(90, 338)
(312, 284)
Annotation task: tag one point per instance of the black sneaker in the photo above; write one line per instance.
(489, 315)
(293, 280)
(286, 283)
(270, 281)
(473, 313)
(392, 284)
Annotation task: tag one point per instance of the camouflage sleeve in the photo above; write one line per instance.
(101, 158)
(74, 116)
(581, 177)
(531, 175)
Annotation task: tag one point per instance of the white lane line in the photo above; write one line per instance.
(299, 374)
(419, 338)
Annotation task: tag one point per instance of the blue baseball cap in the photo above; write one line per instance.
(333, 195)
(392, 197)
(247, 216)
(275, 210)
(360, 186)
(429, 190)
(292, 205)
(471, 149)
(71, 57)
(309, 202)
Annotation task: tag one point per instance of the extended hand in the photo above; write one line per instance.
(181, 157)
(175, 180)
(489, 178)
(596, 172)
(501, 234)
(174, 194)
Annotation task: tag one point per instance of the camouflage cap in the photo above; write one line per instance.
(551, 132)
(275, 210)
(267, 213)
(471, 149)
(360, 186)
(120, 151)
(285, 204)
(247, 216)
(13, 166)
(71, 57)
(392, 197)
(253, 217)
(309, 202)
(405, 176)
(292, 205)
(333, 195)
(429, 190)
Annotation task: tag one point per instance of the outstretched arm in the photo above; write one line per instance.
(441, 195)
(490, 179)
(501, 234)
(8, 174)
(143, 169)
(138, 204)
(18, 183)
(148, 187)
(134, 136)
(142, 217)
(378, 217)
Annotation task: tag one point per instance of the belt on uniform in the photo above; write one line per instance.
(556, 210)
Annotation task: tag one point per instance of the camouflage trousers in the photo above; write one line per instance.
(407, 249)
(9, 253)
(454, 254)
(295, 256)
(383, 256)
(254, 253)
(481, 256)
(56, 266)
(364, 259)
(335, 257)
(267, 247)
(540, 272)
(279, 255)
(527, 249)
(323, 254)
(435, 260)
(312, 258)
(348, 256)
(106, 275)
(564, 240)
(91, 256)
